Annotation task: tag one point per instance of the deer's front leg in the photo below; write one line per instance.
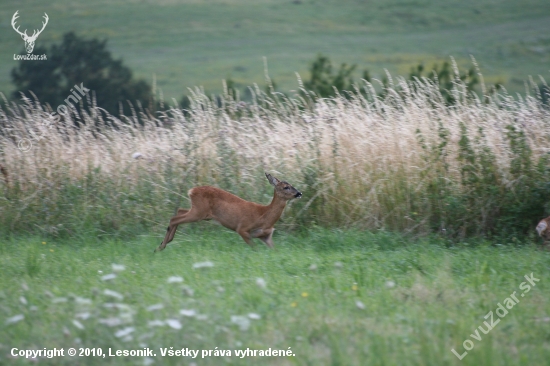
(267, 237)
(246, 237)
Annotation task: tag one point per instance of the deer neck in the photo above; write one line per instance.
(274, 210)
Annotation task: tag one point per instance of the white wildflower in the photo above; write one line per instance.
(82, 301)
(22, 300)
(111, 322)
(124, 332)
(359, 305)
(126, 317)
(78, 324)
(390, 284)
(175, 279)
(112, 293)
(189, 312)
(313, 267)
(15, 319)
(254, 316)
(188, 291)
(261, 282)
(137, 155)
(156, 323)
(242, 321)
(119, 306)
(108, 277)
(83, 316)
(155, 307)
(118, 267)
(173, 323)
(206, 264)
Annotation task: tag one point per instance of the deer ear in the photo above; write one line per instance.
(271, 179)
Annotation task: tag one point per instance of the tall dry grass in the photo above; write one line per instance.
(405, 162)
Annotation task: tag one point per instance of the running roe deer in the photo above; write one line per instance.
(544, 232)
(250, 220)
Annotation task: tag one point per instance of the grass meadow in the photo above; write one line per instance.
(334, 297)
(188, 43)
(417, 220)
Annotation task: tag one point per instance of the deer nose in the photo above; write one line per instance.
(298, 195)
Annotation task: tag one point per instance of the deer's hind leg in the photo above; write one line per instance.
(179, 218)
(183, 216)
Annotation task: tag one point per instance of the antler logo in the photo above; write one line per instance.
(29, 40)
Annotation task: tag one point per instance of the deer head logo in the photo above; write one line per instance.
(29, 40)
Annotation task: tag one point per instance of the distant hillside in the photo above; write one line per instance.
(188, 43)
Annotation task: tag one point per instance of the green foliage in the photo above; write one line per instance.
(438, 188)
(481, 185)
(77, 61)
(508, 203)
(324, 82)
(447, 79)
(527, 198)
(488, 200)
(32, 262)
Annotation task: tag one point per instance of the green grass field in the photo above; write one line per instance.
(192, 43)
(332, 297)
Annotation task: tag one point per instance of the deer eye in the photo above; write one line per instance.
(286, 188)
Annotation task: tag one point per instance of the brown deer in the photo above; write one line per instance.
(250, 220)
(544, 232)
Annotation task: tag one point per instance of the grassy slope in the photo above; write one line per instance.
(188, 43)
(440, 296)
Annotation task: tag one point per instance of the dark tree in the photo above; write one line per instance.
(323, 81)
(77, 61)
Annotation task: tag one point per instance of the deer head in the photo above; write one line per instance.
(29, 40)
(283, 189)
